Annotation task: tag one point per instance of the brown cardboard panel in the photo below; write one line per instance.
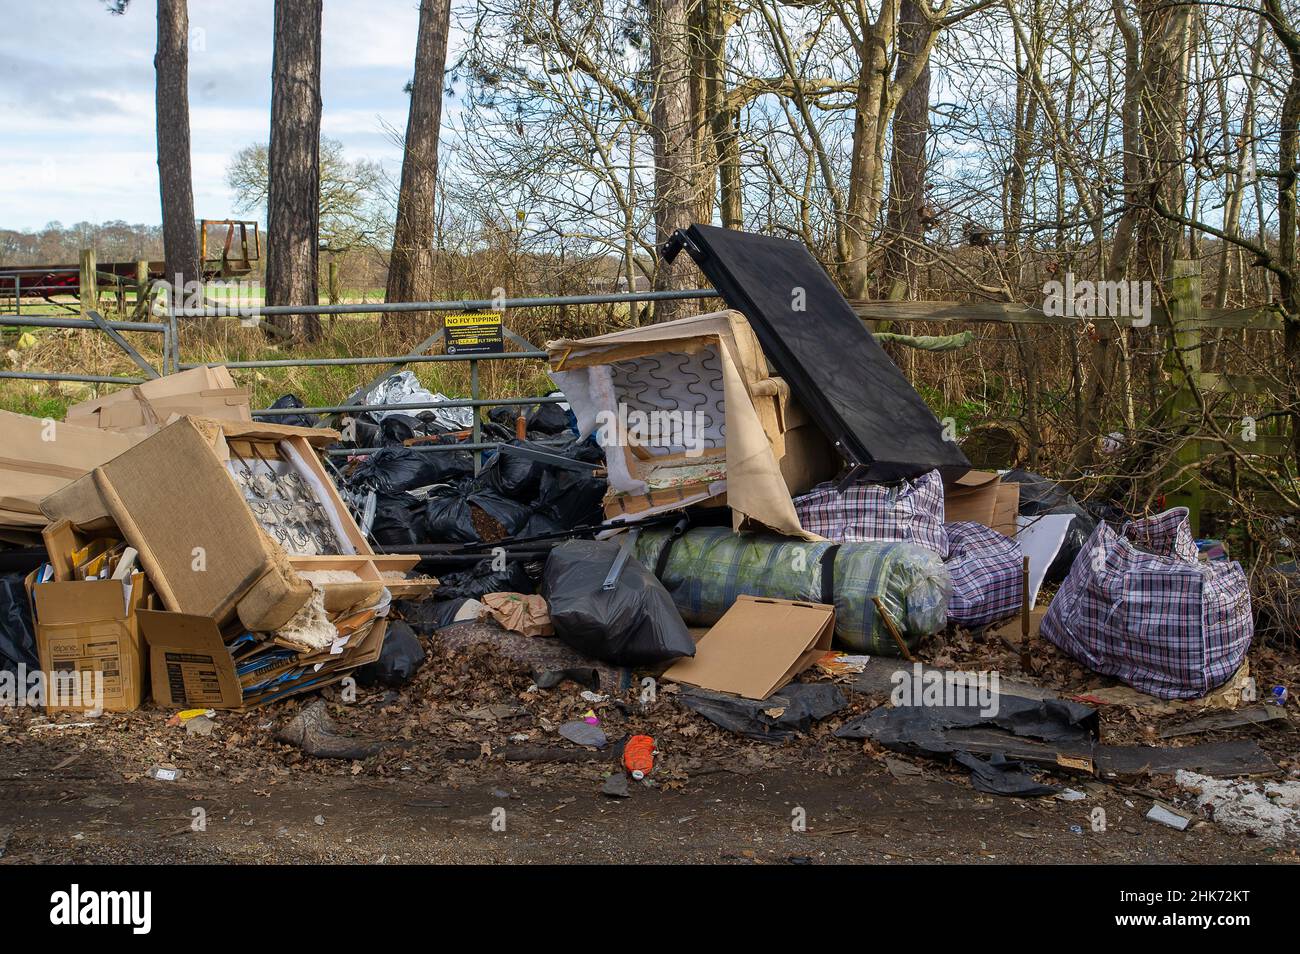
(60, 602)
(177, 504)
(203, 392)
(191, 666)
(758, 646)
(1005, 509)
(973, 496)
(188, 661)
(39, 457)
(111, 648)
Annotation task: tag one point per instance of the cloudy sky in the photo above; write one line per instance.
(76, 97)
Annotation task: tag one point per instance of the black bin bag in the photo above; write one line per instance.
(397, 664)
(634, 624)
(17, 637)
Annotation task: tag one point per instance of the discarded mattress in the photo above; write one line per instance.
(1139, 606)
(687, 412)
(707, 568)
(816, 342)
(909, 510)
(987, 571)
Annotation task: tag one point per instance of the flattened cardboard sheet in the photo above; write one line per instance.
(758, 646)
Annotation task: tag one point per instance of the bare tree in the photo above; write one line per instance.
(411, 265)
(293, 206)
(677, 198)
(908, 215)
(172, 112)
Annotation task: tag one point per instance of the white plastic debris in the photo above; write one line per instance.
(1268, 810)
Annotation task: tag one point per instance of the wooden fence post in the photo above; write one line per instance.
(1183, 289)
(88, 284)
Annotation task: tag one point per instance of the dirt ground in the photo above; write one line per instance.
(440, 790)
(84, 812)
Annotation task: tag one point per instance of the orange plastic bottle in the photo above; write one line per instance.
(639, 756)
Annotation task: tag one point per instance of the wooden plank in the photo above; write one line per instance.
(1220, 383)
(1248, 319)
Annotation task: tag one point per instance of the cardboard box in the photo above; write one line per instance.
(982, 497)
(144, 408)
(758, 646)
(177, 503)
(89, 627)
(41, 456)
(192, 666)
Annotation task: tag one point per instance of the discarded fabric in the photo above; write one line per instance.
(987, 574)
(1139, 606)
(910, 510)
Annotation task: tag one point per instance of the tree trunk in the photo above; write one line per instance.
(866, 174)
(172, 107)
(1166, 42)
(411, 265)
(293, 204)
(904, 223)
(676, 202)
(1288, 168)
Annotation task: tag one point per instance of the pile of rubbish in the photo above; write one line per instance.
(723, 502)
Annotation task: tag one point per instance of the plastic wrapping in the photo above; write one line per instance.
(296, 420)
(481, 579)
(17, 638)
(466, 515)
(709, 567)
(405, 388)
(634, 624)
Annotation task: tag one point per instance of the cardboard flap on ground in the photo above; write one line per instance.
(758, 646)
(982, 497)
(175, 502)
(143, 408)
(189, 662)
(39, 456)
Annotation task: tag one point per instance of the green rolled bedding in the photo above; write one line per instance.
(709, 567)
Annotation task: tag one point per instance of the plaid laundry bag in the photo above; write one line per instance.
(910, 510)
(986, 569)
(1139, 606)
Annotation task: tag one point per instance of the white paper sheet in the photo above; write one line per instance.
(1040, 539)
